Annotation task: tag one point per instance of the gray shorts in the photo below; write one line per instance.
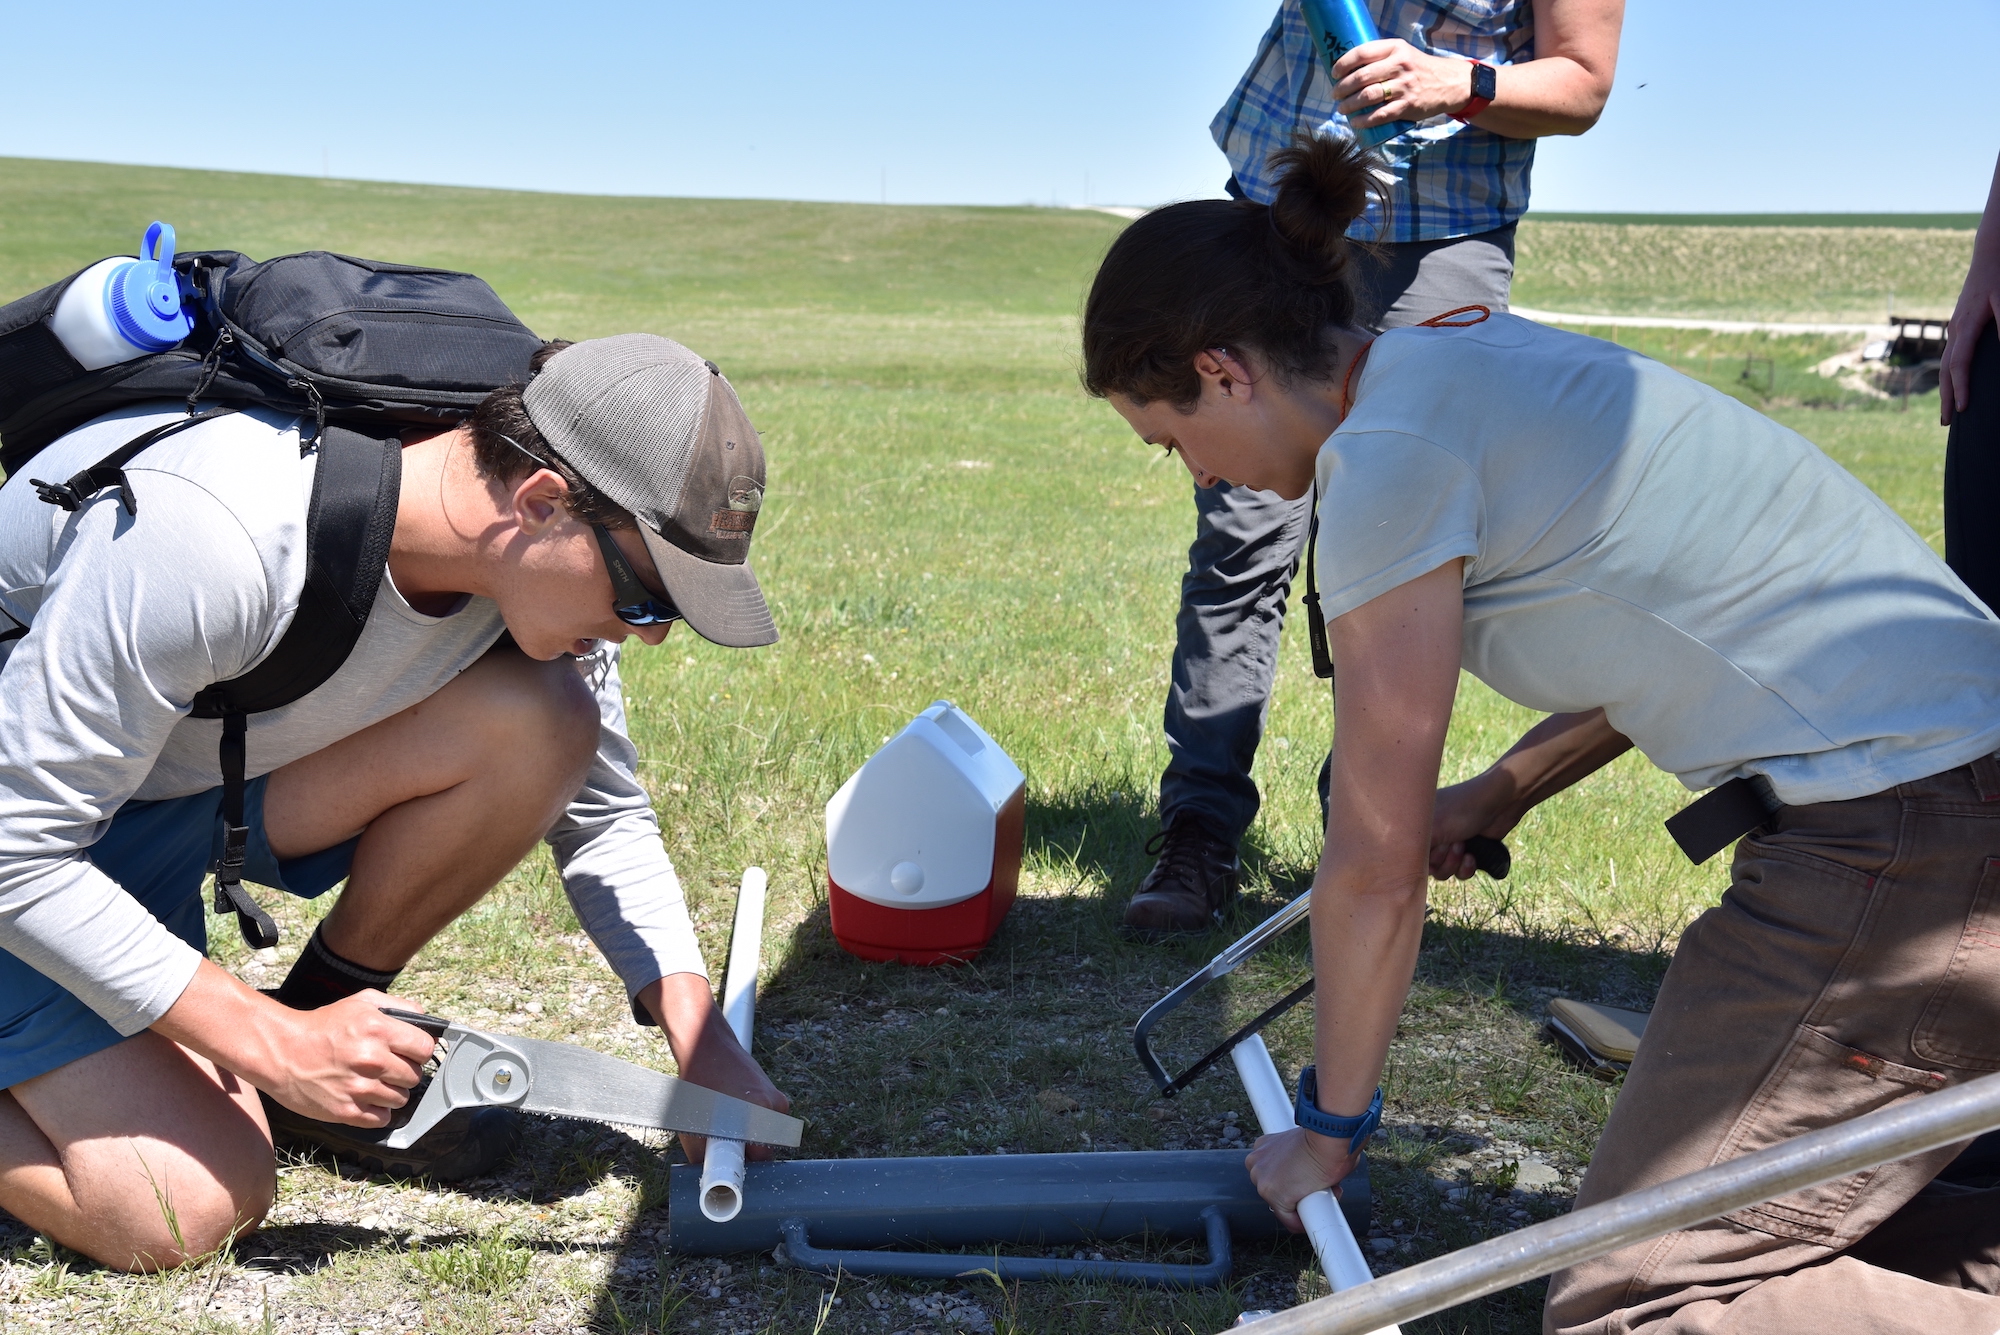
(1414, 280)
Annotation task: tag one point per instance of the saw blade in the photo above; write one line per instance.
(571, 1081)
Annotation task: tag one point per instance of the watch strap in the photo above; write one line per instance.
(1484, 85)
(1354, 1130)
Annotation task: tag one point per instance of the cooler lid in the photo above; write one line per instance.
(915, 826)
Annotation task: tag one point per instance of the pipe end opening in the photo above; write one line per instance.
(721, 1203)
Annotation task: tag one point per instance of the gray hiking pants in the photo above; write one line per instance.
(1247, 546)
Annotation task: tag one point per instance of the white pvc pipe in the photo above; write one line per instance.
(722, 1167)
(1326, 1227)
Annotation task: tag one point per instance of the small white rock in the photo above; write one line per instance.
(1534, 1175)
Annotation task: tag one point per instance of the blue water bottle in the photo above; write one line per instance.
(1337, 27)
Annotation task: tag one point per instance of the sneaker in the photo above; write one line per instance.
(468, 1143)
(1190, 886)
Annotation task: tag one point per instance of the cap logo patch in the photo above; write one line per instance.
(745, 493)
(733, 523)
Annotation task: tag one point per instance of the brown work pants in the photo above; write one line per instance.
(1853, 963)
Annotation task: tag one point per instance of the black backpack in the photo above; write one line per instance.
(362, 348)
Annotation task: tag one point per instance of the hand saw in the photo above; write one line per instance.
(1489, 855)
(482, 1070)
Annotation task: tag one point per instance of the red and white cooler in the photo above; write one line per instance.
(923, 844)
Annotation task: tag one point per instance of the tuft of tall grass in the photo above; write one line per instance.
(492, 1265)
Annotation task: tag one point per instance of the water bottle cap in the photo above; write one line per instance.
(144, 297)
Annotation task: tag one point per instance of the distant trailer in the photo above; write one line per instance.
(1916, 339)
(1911, 355)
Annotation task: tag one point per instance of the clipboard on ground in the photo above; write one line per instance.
(1601, 1039)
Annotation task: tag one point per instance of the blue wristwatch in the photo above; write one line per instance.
(1354, 1130)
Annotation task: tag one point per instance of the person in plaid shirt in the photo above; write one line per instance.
(1479, 80)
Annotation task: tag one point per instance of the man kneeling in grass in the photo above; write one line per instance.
(480, 712)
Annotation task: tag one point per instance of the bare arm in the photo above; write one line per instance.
(346, 1062)
(1978, 302)
(706, 1050)
(1561, 91)
(1551, 756)
(1397, 659)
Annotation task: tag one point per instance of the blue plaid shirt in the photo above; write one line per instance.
(1452, 179)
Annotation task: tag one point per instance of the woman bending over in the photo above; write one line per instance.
(1654, 565)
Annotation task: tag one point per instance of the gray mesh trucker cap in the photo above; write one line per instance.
(658, 430)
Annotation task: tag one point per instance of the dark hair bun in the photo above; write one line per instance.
(1326, 186)
(1214, 273)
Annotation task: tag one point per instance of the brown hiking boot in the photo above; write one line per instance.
(1191, 884)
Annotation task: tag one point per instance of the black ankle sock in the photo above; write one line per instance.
(321, 977)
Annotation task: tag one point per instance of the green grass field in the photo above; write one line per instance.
(1951, 222)
(949, 517)
(1844, 274)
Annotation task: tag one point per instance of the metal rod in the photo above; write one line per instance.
(722, 1164)
(1819, 1156)
(1332, 1240)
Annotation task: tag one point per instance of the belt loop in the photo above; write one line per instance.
(1986, 777)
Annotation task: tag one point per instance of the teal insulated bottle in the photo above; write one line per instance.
(1337, 27)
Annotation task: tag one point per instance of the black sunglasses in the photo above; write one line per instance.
(633, 603)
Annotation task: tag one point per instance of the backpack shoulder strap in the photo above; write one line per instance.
(110, 470)
(351, 517)
(349, 521)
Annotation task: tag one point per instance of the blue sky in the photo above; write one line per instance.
(1719, 107)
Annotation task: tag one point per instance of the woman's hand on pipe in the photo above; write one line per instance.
(1292, 1165)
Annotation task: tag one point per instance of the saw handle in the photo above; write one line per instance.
(1490, 856)
(434, 1025)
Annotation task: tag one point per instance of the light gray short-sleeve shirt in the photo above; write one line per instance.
(1735, 601)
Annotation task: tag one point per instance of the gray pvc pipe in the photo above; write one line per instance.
(800, 1252)
(1898, 1132)
(984, 1201)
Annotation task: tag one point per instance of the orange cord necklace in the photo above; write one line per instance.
(1444, 321)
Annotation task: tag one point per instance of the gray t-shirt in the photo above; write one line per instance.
(131, 616)
(1736, 602)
